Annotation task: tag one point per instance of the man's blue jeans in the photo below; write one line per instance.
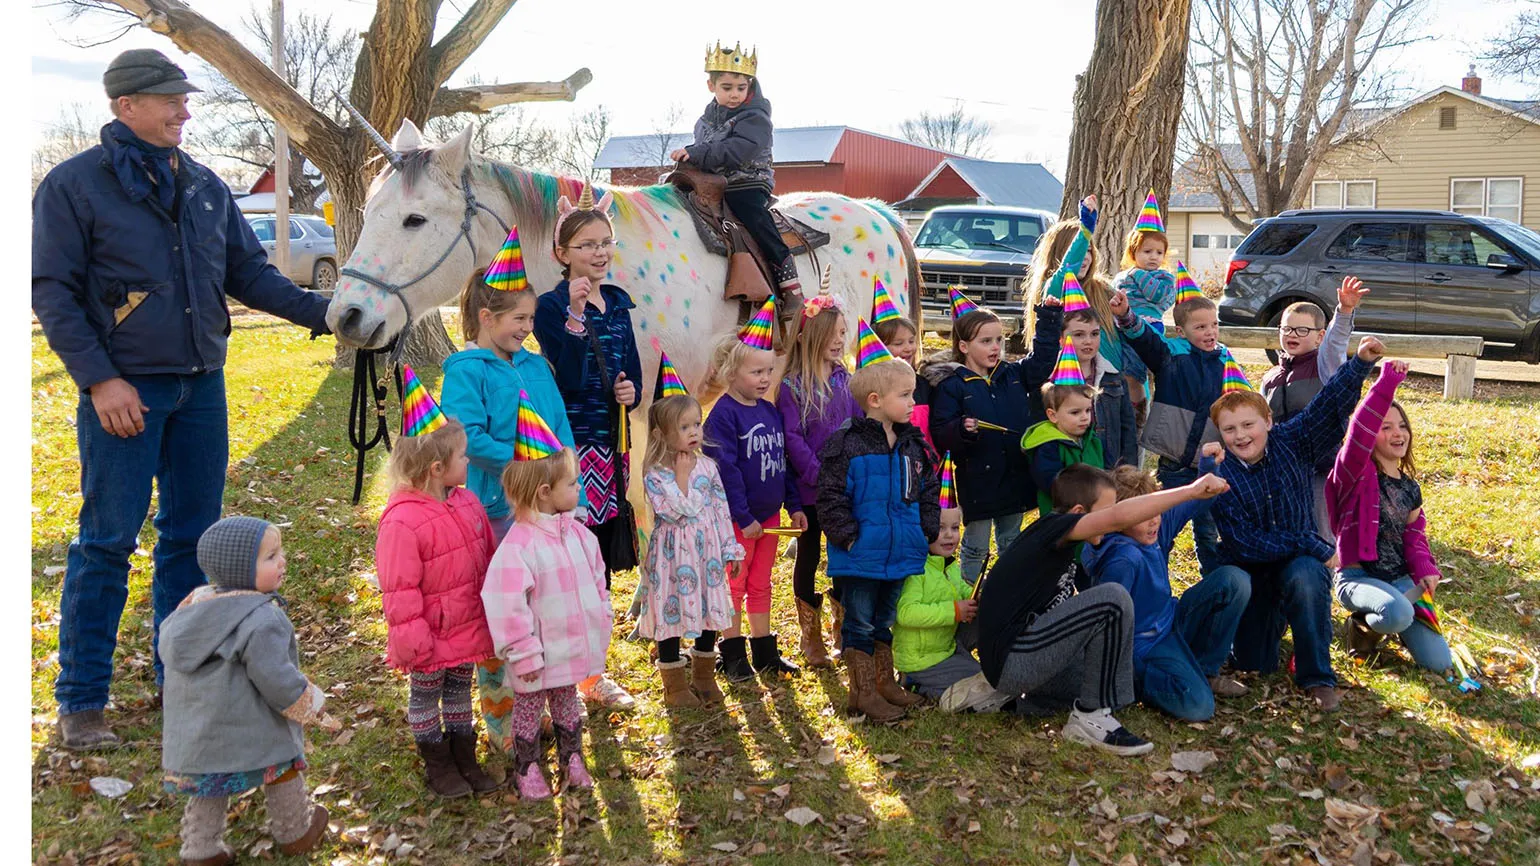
(871, 608)
(1297, 595)
(1175, 671)
(1205, 532)
(184, 450)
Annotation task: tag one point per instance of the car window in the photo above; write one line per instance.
(1374, 242)
(320, 228)
(263, 229)
(1457, 244)
(983, 231)
(1275, 238)
(295, 232)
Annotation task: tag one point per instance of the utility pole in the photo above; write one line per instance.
(280, 157)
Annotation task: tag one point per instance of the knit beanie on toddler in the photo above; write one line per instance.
(227, 552)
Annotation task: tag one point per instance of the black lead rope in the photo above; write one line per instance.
(368, 387)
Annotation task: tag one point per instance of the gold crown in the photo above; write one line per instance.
(732, 61)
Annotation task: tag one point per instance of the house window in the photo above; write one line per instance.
(1200, 242)
(1446, 117)
(1342, 194)
(1500, 197)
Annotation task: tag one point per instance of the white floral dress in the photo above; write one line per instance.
(684, 574)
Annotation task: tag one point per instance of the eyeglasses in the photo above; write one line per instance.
(1296, 332)
(588, 248)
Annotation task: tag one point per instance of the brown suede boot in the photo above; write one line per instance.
(676, 686)
(86, 731)
(810, 619)
(442, 776)
(836, 622)
(703, 678)
(887, 682)
(864, 702)
(462, 748)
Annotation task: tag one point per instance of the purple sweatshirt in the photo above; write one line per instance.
(749, 445)
(803, 440)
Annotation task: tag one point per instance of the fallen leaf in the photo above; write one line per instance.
(111, 787)
(1192, 762)
(1348, 812)
(1177, 837)
(802, 816)
(1312, 794)
(973, 826)
(729, 847)
(1337, 777)
(888, 758)
(827, 754)
(782, 791)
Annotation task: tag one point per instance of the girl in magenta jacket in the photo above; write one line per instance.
(1375, 507)
(431, 557)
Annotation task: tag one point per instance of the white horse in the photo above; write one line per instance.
(439, 214)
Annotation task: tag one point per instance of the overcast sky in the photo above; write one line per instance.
(860, 64)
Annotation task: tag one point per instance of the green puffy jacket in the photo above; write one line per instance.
(926, 631)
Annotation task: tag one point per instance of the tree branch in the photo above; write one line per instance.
(481, 98)
(465, 37)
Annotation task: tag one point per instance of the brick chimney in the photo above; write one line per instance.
(1471, 83)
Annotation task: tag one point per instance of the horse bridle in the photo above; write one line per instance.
(396, 289)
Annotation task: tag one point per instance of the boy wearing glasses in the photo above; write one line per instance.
(1310, 351)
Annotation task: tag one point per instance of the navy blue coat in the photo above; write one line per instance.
(125, 288)
(992, 473)
(879, 506)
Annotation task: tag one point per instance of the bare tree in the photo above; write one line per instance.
(1517, 51)
(954, 131)
(587, 133)
(72, 132)
(507, 133)
(401, 71)
(1295, 79)
(652, 149)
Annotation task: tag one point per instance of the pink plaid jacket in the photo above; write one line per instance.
(546, 604)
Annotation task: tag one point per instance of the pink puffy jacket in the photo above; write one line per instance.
(431, 558)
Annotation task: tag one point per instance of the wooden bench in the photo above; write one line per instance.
(1459, 353)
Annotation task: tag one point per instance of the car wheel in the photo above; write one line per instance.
(1275, 317)
(324, 279)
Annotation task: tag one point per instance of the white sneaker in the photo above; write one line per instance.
(974, 693)
(1100, 730)
(608, 693)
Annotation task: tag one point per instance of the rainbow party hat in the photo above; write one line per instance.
(1149, 216)
(869, 349)
(1067, 370)
(419, 411)
(669, 384)
(883, 308)
(1074, 296)
(755, 333)
(506, 273)
(949, 483)
(1234, 376)
(1422, 610)
(533, 439)
(1186, 288)
(960, 303)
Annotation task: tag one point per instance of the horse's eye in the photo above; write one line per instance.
(414, 220)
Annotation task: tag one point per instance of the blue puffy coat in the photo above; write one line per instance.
(879, 506)
(122, 287)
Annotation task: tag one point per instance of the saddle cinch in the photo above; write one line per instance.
(749, 274)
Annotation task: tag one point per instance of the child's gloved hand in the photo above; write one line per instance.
(1370, 350)
(965, 609)
(1351, 293)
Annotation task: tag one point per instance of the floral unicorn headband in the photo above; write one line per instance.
(825, 299)
(585, 202)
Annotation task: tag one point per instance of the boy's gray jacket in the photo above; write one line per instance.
(736, 142)
(232, 672)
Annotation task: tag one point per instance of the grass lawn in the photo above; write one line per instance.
(1410, 770)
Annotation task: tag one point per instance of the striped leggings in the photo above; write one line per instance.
(440, 700)
(1082, 649)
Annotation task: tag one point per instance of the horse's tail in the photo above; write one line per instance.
(916, 312)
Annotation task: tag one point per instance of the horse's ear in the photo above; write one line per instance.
(453, 155)
(408, 137)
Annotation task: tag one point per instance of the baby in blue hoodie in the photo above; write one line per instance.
(1179, 644)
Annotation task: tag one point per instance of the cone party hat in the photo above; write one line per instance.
(960, 303)
(1149, 216)
(1186, 288)
(1234, 376)
(1074, 296)
(1422, 611)
(419, 411)
(506, 273)
(949, 483)
(755, 333)
(1067, 370)
(883, 308)
(869, 349)
(669, 384)
(533, 439)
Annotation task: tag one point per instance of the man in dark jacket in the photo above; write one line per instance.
(134, 250)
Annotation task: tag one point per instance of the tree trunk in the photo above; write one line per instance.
(1127, 104)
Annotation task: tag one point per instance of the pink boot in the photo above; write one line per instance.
(569, 751)
(529, 779)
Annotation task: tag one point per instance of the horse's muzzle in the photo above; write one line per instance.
(355, 326)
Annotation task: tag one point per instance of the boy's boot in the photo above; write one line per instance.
(676, 685)
(887, 684)
(1362, 642)
(767, 656)
(442, 776)
(810, 619)
(837, 621)
(462, 748)
(864, 701)
(297, 822)
(86, 731)
(528, 777)
(788, 284)
(703, 678)
(203, 832)
(569, 755)
(734, 661)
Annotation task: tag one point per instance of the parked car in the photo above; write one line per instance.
(983, 248)
(1429, 272)
(312, 248)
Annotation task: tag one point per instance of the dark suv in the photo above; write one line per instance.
(1429, 272)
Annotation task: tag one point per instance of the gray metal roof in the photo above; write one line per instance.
(1023, 184)
(792, 145)
(1191, 191)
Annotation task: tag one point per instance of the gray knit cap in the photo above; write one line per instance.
(227, 552)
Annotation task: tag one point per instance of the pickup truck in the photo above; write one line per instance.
(985, 249)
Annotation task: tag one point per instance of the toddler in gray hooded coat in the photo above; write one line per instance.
(235, 700)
